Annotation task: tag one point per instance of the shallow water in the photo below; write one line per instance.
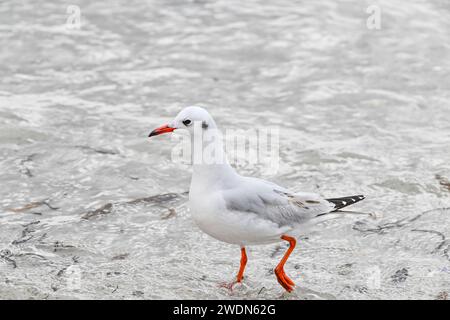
(359, 111)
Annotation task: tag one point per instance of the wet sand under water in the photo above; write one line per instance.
(90, 208)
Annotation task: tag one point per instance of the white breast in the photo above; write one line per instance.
(242, 228)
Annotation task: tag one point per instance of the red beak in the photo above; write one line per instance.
(163, 129)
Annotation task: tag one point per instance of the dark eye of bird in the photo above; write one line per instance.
(187, 122)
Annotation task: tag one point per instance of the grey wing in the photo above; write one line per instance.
(275, 203)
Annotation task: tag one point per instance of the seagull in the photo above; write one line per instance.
(243, 210)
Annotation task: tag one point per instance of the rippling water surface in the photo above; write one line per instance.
(90, 208)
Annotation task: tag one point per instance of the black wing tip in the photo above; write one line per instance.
(342, 202)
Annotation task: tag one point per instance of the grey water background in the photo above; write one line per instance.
(90, 208)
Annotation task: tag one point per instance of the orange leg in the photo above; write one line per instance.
(282, 278)
(240, 274)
